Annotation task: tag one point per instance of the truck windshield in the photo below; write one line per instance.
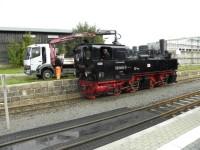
(27, 53)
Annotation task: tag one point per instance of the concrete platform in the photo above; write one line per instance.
(181, 132)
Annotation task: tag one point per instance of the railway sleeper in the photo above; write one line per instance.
(185, 102)
(190, 99)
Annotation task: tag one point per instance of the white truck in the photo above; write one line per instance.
(40, 60)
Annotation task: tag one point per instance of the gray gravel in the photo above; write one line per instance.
(89, 107)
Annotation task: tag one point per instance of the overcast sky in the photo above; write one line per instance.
(138, 21)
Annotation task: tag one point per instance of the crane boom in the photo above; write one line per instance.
(72, 37)
(82, 35)
(64, 39)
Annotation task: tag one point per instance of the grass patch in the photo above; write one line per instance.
(188, 67)
(11, 70)
(18, 80)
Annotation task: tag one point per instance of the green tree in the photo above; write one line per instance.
(16, 50)
(61, 48)
(87, 28)
(13, 53)
(81, 27)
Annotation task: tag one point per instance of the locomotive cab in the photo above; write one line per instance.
(95, 62)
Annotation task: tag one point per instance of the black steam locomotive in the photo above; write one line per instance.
(114, 68)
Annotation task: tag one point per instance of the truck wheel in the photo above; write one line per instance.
(47, 74)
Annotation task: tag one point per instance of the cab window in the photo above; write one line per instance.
(78, 54)
(105, 53)
(35, 52)
(87, 52)
(95, 53)
(44, 60)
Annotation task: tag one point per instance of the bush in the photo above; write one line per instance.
(16, 50)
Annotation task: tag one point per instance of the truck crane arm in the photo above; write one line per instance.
(72, 37)
(65, 39)
(76, 36)
(84, 34)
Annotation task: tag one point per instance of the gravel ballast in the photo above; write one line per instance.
(90, 107)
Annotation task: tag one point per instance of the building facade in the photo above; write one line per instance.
(187, 50)
(8, 35)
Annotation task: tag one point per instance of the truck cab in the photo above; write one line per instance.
(36, 55)
(38, 60)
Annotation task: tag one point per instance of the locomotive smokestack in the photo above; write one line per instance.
(163, 46)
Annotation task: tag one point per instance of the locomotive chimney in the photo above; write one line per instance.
(163, 46)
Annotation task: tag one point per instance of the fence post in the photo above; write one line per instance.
(4, 89)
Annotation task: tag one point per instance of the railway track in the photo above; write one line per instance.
(175, 105)
(23, 107)
(187, 79)
(103, 126)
